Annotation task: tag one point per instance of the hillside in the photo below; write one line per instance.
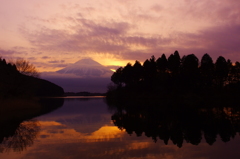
(15, 84)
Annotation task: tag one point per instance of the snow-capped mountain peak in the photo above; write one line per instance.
(86, 67)
(86, 62)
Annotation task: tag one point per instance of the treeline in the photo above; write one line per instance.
(176, 74)
(83, 94)
(15, 84)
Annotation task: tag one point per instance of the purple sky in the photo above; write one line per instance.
(52, 34)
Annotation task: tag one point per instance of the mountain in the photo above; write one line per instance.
(86, 68)
(84, 75)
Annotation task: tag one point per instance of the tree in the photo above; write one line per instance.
(137, 72)
(7, 67)
(235, 72)
(190, 71)
(190, 65)
(221, 70)
(162, 63)
(26, 68)
(162, 73)
(174, 62)
(117, 77)
(207, 64)
(207, 70)
(150, 69)
(127, 74)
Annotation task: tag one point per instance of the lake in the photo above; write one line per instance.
(85, 128)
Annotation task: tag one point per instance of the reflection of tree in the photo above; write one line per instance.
(178, 124)
(22, 138)
(19, 132)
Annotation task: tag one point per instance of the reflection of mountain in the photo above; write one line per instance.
(84, 75)
(178, 123)
(85, 116)
(86, 67)
(85, 123)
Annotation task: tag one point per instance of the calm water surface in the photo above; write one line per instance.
(82, 128)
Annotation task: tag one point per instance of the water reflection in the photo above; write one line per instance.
(22, 137)
(178, 123)
(19, 132)
(84, 129)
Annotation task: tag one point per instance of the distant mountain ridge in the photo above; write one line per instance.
(86, 68)
(83, 75)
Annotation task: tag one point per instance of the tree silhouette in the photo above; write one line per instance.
(221, 71)
(162, 63)
(127, 73)
(174, 63)
(206, 71)
(170, 77)
(234, 73)
(162, 72)
(15, 84)
(117, 77)
(137, 72)
(26, 68)
(149, 73)
(190, 71)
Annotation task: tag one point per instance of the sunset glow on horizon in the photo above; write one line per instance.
(54, 34)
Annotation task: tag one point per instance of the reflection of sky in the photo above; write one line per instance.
(83, 115)
(82, 129)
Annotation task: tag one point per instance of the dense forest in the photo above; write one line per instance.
(16, 84)
(176, 76)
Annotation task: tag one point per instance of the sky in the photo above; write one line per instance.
(53, 34)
